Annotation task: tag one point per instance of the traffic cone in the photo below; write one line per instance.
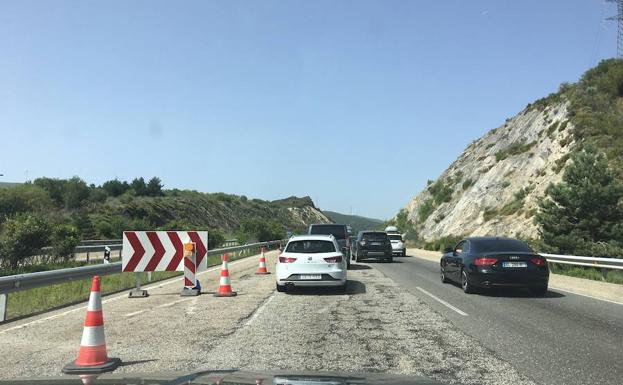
(224, 289)
(92, 356)
(262, 268)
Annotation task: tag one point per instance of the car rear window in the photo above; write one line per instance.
(338, 231)
(486, 246)
(310, 247)
(395, 237)
(375, 236)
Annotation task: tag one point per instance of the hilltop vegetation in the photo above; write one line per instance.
(595, 110)
(60, 213)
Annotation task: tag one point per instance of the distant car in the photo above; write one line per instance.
(372, 244)
(311, 260)
(398, 244)
(490, 262)
(340, 232)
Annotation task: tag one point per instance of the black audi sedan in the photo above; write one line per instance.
(490, 262)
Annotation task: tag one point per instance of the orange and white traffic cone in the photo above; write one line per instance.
(224, 289)
(262, 268)
(92, 356)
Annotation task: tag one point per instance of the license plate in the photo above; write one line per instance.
(310, 276)
(514, 264)
(375, 243)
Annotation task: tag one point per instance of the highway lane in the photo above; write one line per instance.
(376, 326)
(561, 338)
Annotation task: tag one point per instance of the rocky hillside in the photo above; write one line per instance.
(494, 186)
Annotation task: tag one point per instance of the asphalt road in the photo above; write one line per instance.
(376, 326)
(561, 338)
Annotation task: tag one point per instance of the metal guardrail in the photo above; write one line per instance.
(598, 262)
(18, 282)
(98, 242)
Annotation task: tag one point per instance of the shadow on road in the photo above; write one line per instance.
(352, 287)
(518, 293)
(356, 266)
(511, 293)
(128, 363)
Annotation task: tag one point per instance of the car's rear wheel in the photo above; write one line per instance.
(444, 279)
(389, 260)
(538, 291)
(281, 289)
(467, 287)
(357, 257)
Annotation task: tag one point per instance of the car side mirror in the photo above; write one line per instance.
(448, 250)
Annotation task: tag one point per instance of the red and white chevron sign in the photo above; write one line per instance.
(161, 250)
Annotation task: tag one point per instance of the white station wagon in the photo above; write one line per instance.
(311, 260)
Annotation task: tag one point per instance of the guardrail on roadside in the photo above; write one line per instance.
(18, 282)
(98, 246)
(599, 262)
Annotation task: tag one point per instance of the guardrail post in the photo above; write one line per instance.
(4, 298)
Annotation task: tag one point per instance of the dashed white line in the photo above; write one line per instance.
(259, 310)
(441, 301)
(124, 295)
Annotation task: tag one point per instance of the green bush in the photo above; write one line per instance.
(260, 230)
(513, 149)
(441, 243)
(22, 237)
(75, 192)
(64, 240)
(489, 213)
(467, 183)
(23, 198)
(441, 192)
(425, 210)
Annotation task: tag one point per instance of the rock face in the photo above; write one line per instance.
(493, 188)
(305, 216)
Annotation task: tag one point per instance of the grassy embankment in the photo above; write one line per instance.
(49, 297)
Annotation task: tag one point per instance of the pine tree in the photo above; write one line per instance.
(584, 213)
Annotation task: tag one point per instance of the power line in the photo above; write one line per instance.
(619, 20)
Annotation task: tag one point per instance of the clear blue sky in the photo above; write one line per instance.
(355, 103)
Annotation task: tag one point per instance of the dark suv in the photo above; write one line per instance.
(340, 232)
(372, 244)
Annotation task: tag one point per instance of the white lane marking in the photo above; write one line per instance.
(441, 301)
(586, 295)
(134, 313)
(259, 310)
(124, 295)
